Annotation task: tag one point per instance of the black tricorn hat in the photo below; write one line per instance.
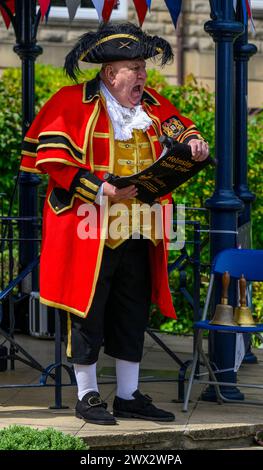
(114, 42)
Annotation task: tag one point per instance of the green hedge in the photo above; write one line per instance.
(26, 438)
(194, 101)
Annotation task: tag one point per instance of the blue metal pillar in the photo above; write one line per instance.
(26, 23)
(242, 53)
(224, 204)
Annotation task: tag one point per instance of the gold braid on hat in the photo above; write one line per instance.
(112, 42)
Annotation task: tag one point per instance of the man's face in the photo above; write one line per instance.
(127, 81)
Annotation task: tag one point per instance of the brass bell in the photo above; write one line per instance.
(224, 312)
(242, 314)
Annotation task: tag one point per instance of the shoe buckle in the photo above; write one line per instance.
(94, 401)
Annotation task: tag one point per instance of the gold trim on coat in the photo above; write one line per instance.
(88, 137)
(69, 335)
(101, 135)
(29, 154)
(29, 139)
(64, 134)
(29, 170)
(111, 137)
(85, 193)
(101, 167)
(91, 131)
(58, 160)
(63, 209)
(62, 146)
(89, 184)
(62, 307)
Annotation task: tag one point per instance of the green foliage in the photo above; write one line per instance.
(258, 301)
(255, 179)
(156, 80)
(257, 309)
(10, 131)
(26, 438)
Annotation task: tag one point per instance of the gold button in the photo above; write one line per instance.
(129, 162)
(127, 146)
(56, 208)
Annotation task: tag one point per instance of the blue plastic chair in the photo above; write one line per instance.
(236, 262)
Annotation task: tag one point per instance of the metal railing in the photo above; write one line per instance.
(13, 285)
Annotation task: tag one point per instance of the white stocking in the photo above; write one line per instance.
(86, 378)
(127, 374)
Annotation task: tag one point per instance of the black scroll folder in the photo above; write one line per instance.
(174, 167)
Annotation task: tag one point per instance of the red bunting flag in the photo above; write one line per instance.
(141, 8)
(107, 9)
(44, 4)
(11, 5)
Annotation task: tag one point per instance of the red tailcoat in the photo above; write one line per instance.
(73, 131)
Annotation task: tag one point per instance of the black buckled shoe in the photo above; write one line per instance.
(141, 407)
(93, 410)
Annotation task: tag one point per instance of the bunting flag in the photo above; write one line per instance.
(141, 8)
(107, 9)
(44, 5)
(98, 5)
(174, 7)
(11, 5)
(104, 9)
(72, 6)
(47, 13)
(249, 11)
(149, 4)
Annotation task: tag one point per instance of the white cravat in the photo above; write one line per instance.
(123, 119)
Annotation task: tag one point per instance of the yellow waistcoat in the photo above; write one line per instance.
(126, 218)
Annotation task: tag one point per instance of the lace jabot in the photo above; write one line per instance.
(123, 119)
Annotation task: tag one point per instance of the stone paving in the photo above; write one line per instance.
(204, 426)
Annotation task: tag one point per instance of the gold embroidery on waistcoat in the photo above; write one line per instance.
(132, 156)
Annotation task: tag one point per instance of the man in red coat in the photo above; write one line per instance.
(104, 278)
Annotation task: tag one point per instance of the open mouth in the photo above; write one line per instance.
(136, 89)
(136, 94)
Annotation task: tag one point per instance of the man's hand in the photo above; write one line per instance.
(116, 195)
(200, 149)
